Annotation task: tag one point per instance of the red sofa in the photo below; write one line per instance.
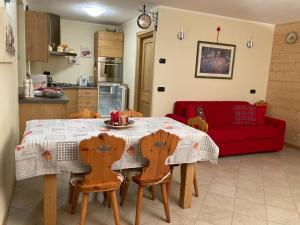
(233, 139)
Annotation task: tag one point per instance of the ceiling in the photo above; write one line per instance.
(120, 11)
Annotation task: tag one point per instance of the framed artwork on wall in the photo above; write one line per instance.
(7, 38)
(215, 60)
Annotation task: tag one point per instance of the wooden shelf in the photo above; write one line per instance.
(55, 53)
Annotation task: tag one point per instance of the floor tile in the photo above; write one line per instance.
(246, 220)
(215, 216)
(250, 195)
(250, 209)
(283, 216)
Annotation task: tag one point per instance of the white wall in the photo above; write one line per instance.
(130, 29)
(9, 123)
(75, 34)
(177, 75)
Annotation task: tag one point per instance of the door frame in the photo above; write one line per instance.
(140, 36)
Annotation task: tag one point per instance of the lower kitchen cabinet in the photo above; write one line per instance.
(81, 98)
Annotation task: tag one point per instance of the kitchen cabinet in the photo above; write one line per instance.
(36, 111)
(108, 44)
(41, 30)
(81, 98)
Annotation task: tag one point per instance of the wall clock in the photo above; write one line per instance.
(291, 38)
(144, 21)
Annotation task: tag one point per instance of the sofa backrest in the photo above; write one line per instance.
(217, 113)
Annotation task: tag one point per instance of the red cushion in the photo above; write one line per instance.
(260, 114)
(238, 133)
(190, 111)
(244, 115)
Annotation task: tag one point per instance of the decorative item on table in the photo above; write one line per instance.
(118, 121)
(215, 60)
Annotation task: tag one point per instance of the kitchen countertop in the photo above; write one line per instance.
(79, 87)
(44, 100)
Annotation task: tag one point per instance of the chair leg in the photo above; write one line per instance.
(166, 201)
(195, 181)
(71, 192)
(108, 200)
(153, 191)
(85, 199)
(168, 185)
(139, 205)
(114, 203)
(124, 190)
(74, 200)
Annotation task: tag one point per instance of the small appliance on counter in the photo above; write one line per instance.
(39, 81)
(111, 96)
(83, 81)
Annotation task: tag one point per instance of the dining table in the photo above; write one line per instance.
(51, 147)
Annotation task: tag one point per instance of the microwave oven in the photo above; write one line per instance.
(110, 69)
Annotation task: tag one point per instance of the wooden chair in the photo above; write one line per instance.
(85, 114)
(131, 113)
(100, 153)
(200, 124)
(261, 103)
(128, 173)
(156, 148)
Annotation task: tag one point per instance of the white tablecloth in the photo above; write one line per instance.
(52, 146)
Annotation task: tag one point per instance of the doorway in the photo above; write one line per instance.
(144, 72)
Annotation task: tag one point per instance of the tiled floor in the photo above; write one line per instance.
(258, 189)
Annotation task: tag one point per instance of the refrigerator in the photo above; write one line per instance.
(111, 96)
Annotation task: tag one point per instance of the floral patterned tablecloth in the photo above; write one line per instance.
(52, 146)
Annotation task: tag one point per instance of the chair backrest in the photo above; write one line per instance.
(156, 148)
(131, 113)
(198, 123)
(100, 153)
(85, 114)
(261, 103)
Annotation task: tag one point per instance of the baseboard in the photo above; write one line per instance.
(4, 222)
(292, 146)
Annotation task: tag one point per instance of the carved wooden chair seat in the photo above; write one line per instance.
(199, 123)
(156, 147)
(85, 114)
(100, 153)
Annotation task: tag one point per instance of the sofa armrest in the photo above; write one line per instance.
(178, 118)
(275, 122)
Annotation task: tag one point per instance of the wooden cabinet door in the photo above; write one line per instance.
(88, 99)
(110, 44)
(36, 36)
(72, 105)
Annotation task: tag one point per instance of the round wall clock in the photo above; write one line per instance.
(291, 38)
(144, 21)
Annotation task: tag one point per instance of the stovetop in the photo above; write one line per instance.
(54, 84)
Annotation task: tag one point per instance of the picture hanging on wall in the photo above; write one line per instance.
(215, 60)
(7, 38)
(85, 52)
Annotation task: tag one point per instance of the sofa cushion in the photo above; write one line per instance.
(260, 114)
(244, 115)
(239, 133)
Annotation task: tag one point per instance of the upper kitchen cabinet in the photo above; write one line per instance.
(41, 30)
(109, 44)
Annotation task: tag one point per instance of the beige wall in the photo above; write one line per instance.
(284, 82)
(9, 124)
(76, 35)
(130, 29)
(177, 75)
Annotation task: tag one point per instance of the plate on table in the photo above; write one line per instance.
(111, 125)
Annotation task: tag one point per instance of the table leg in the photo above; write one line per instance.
(186, 188)
(50, 199)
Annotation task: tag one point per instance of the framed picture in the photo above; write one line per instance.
(85, 52)
(215, 60)
(7, 38)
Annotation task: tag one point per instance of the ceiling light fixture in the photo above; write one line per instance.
(93, 10)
